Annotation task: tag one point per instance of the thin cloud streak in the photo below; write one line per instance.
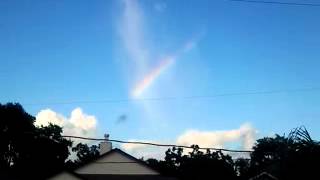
(134, 39)
(132, 34)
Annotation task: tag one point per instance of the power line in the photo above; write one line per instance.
(149, 143)
(175, 97)
(157, 144)
(278, 3)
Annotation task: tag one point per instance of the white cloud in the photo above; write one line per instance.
(82, 121)
(245, 134)
(133, 147)
(46, 116)
(142, 150)
(78, 124)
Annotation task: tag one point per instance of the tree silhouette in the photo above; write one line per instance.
(242, 167)
(195, 165)
(14, 121)
(287, 158)
(27, 151)
(292, 157)
(84, 154)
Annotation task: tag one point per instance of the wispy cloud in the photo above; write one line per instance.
(78, 124)
(133, 35)
(144, 66)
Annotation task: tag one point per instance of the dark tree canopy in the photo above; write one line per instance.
(84, 154)
(294, 157)
(195, 165)
(242, 167)
(14, 123)
(34, 152)
(288, 158)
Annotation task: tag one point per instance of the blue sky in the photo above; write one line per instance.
(73, 51)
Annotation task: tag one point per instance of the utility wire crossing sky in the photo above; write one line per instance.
(177, 97)
(278, 3)
(156, 144)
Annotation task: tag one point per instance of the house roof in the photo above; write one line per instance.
(127, 155)
(123, 164)
(66, 175)
(264, 175)
(90, 171)
(124, 177)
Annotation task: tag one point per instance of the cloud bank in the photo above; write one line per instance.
(245, 135)
(78, 124)
(133, 147)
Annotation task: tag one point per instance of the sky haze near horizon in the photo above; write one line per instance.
(73, 51)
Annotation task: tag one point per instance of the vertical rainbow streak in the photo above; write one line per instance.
(151, 76)
(142, 85)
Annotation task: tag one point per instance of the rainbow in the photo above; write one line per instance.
(151, 76)
(164, 64)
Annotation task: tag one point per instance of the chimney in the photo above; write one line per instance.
(105, 146)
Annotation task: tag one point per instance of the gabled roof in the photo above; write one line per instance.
(124, 154)
(99, 168)
(129, 156)
(118, 162)
(124, 177)
(263, 174)
(66, 175)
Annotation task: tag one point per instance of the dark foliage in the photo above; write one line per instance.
(195, 165)
(287, 158)
(242, 167)
(84, 154)
(26, 151)
(293, 157)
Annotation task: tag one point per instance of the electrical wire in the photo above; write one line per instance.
(157, 144)
(177, 97)
(278, 3)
